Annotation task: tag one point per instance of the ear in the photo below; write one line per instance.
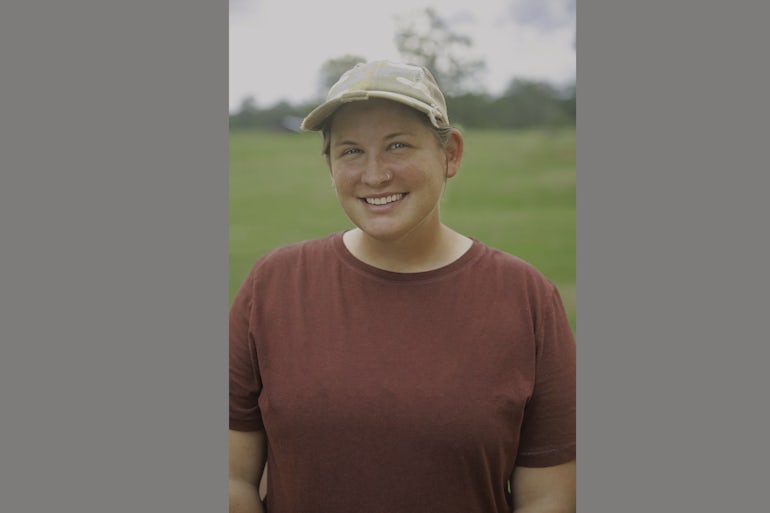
(331, 172)
(454, 153)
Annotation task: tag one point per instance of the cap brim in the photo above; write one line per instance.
(318, 116)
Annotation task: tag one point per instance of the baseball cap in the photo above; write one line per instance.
(403, 83)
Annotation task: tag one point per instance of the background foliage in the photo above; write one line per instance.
(428, 40)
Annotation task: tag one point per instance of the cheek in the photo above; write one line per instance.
(343, 180)
(428, 173)
(410, 169)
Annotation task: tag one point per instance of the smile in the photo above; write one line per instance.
(385, 199)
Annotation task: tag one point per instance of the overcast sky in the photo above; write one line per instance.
(278, 46)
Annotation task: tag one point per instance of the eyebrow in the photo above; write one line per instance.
(388, 137)
(395, 135)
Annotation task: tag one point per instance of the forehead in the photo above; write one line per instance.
(378, 111)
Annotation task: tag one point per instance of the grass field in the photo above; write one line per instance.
(515, 191)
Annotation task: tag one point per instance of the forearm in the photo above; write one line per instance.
(244, 498)
(545, 489)
(549, 504)
(247, 454)
(545, 508)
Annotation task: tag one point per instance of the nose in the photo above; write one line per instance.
(376, 173)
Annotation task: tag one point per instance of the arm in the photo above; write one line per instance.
(544, 490)
(247, 456)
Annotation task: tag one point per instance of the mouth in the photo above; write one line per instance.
(384, 200)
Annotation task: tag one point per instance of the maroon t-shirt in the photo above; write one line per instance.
(390, 392)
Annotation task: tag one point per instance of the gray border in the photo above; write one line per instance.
(113, 200)
(672, 257)
(113, 211)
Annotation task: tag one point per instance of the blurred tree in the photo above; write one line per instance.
(469, 110)
(427, 40)
(530, 103)
(247, 115)
(332, 70)
(248, 104)
(568, 101)
(280, 116)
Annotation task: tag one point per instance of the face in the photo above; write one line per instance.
(389, 170)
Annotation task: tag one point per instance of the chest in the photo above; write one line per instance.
(395, 363)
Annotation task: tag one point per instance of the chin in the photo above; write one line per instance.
(382, 235)
(379, 231)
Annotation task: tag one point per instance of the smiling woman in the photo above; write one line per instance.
(389, 172)
(399, 366)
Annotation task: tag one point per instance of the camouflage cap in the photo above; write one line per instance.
(404, 83)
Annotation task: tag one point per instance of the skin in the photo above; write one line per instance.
(247, 456)
(545, 490)
(381, 149)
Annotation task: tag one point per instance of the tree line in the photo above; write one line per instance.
(427, 40)
(525, 104)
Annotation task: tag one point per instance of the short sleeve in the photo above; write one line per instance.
(548, 428)
(245, 382)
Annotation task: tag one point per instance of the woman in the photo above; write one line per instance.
(399, 366)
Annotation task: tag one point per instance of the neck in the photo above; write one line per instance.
(409, 254)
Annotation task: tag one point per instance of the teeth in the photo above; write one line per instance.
(385, 200)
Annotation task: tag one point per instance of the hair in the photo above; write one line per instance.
(442, 134)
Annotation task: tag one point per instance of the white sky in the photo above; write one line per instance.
(277, 47)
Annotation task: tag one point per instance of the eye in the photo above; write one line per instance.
(351, 151)
(398, 145)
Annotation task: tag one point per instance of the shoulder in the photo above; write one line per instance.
(510, 268)
(295, 256)
(282, 265)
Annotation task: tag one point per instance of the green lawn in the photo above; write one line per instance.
(515, 191)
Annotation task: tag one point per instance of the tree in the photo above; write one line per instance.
(568, 102)
(332, 70)
(530, 103)
(427, 40)
(247, 115)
